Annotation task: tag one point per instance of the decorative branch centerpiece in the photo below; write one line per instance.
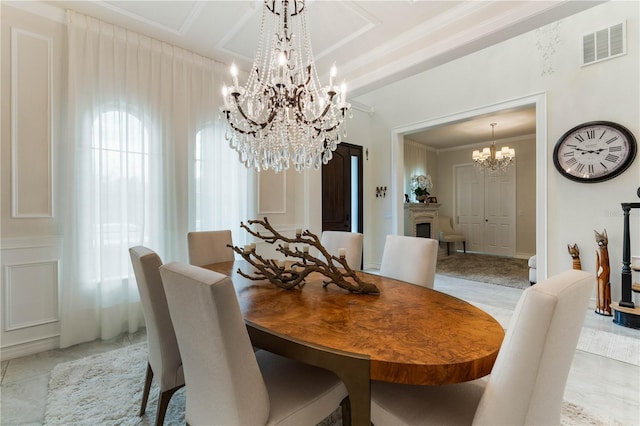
(289, 276)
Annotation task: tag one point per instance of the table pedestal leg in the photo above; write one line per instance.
(353, 369)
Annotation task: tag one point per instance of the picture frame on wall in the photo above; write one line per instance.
(433, 199)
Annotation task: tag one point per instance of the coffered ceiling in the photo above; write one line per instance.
(371, 42)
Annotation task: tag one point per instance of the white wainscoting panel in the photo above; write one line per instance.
(31, 91)
(30, 284)
(272, 192)
(30, 294)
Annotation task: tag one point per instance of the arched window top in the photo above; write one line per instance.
(119, 130)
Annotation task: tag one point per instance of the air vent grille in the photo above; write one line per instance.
(604, 44)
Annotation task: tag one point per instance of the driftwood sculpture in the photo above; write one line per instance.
(292, 274)
(603, 272)
(574, 252)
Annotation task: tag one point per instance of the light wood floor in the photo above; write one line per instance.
(606, 387)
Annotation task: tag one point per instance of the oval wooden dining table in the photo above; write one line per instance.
(406, 334)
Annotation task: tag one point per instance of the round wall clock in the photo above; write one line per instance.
(594, 151)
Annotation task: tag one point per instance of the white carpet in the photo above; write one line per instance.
(106, 389)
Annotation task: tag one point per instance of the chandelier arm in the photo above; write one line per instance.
(297, 101)
(268, 121)
(239, 130)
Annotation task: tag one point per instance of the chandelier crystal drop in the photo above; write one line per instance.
(492, 160)
(283, 115)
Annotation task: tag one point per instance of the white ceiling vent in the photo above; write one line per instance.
(604, 44)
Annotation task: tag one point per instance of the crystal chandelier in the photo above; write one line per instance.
(491, 160)
(283, 115)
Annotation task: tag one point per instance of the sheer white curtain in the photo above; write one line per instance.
(220, 184)
(136, 106)
(415, 164)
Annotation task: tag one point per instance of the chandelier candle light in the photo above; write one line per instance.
(492, 160)
(283, 114)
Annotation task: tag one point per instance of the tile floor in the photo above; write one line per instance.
(605, 387)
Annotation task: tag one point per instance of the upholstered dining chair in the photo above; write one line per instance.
(207, 247)
(227, 383)
(528, 378)
(350, 241)
(164, 363)
(448, 235)
(410, 259)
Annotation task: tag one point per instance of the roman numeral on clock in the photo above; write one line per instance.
(612, 158)
(612, 140)
(579, 167)
(615, 148)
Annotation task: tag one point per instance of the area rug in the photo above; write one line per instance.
(499, 270)
(105, 389)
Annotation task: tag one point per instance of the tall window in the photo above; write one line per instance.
(135, 106)
(220, 184)
(119, 200)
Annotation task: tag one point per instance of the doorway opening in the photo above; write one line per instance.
(538, 101)
(342, 192)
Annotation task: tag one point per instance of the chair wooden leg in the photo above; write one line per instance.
(464, 246)
(448, 245)
(163, 403)
(147, 387)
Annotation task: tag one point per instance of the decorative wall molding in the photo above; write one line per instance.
(30, 242)
(274, 184)
(30, 294)
(31, 107)
(548, 40)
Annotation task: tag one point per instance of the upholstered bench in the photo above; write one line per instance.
(532, 270)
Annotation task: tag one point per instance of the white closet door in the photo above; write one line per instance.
(485, 210)
(469, 215)
(499, 207)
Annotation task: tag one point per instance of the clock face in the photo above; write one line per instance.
(594, 152)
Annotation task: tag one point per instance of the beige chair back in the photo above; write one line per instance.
(350, 241)
(529, 377)
(219, 363)
(446, 226)
(207, 247)
(165, 363)
(410, 259)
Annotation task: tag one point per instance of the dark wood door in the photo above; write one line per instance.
(337, 187)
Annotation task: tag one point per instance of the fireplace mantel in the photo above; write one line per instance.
(421, 213)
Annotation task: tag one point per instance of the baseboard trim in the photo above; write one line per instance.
(29, 348)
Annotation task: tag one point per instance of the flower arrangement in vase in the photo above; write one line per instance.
(421, 194)
(421, 187)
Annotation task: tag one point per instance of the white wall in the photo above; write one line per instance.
(30, 247)
(542, 61)
(31, 129)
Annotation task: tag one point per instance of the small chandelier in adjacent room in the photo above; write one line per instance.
(491, 160)
(283, 115)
